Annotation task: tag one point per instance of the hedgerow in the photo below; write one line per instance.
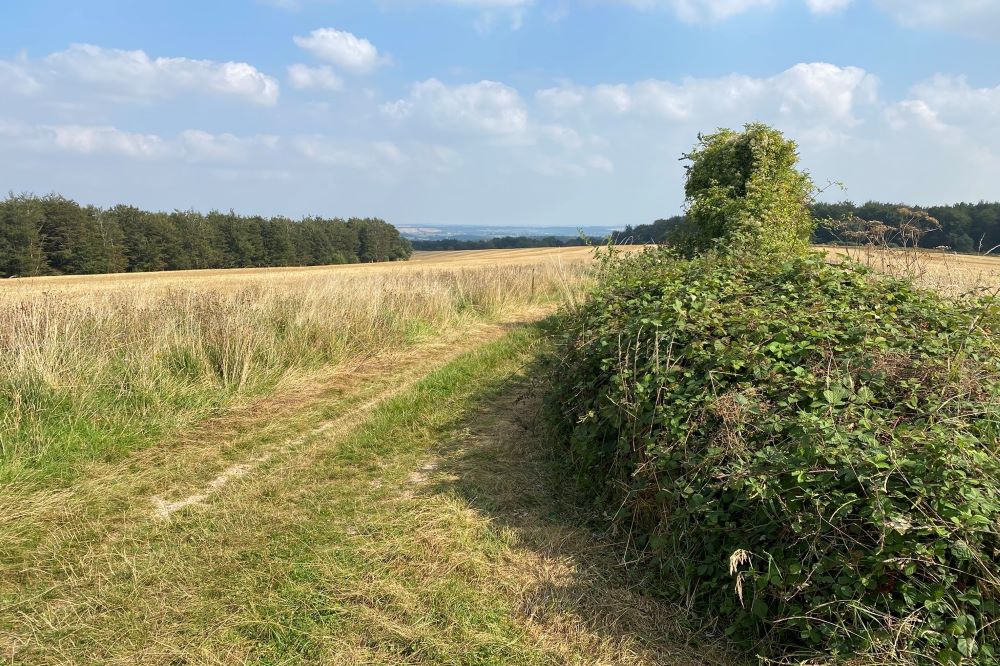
(807, 451)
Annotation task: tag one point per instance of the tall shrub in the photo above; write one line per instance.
(810, 452)
(744, 191)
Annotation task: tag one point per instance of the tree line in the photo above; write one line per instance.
(963, 227)
(53, 235)
(503, 243)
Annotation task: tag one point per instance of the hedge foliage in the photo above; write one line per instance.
(743, 190)
(807, 451)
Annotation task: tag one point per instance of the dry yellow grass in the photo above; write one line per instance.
(946, 272)
(246, 277)
(420, 524)
(92, 366)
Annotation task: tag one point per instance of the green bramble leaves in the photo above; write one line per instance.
(832, 431)
(781, 410)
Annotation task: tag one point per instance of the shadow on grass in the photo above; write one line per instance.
(567, 575)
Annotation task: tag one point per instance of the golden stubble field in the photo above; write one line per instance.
(539, 258)
(952, 273)
(948, 273)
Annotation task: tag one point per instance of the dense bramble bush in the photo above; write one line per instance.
(806, 451)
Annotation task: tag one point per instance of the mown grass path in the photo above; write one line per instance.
(402, 513)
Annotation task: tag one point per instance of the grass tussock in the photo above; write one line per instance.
(89, 374)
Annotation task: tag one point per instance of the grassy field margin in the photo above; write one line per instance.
(428, 534)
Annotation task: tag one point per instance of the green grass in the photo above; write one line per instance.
(431, 533)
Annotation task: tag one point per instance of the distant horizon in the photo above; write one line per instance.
(484, 225)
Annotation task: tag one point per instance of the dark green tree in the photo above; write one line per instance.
(21, 252)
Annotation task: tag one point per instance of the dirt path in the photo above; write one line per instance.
(402, 511)
(232, 443)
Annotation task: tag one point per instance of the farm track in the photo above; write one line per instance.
(402, 510)
(48, 531)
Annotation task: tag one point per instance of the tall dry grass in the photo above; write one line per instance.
(897, 250)
(90, 374)
(949, 273)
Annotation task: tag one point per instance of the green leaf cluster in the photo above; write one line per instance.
(744, 193)
(807, 451)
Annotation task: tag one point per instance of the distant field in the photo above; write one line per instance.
(243, 277)
(954, 274)
(935, 269)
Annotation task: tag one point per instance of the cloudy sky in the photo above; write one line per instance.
(526, 112)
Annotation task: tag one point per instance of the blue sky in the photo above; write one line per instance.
(521, 112)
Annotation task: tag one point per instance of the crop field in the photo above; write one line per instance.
(945, 272)
(237, 278)
(316, 465)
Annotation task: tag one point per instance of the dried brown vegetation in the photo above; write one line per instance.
(92, 367)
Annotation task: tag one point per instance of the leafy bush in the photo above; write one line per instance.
(807, 451)
(744, 191)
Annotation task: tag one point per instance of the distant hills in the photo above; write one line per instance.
(476, 232)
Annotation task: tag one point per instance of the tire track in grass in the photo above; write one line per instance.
(51, 535)
(415, 366)
(424, 533)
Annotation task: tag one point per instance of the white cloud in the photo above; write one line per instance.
(701, 11)
(566, 137)
(827, 6)
(91, 140)
(954, 96)
(14, 77)
(87, 140)
(819, 89)
(487, 106)
(385, 160)
(491, 11)
(980, 17)
(204, 146)
(485, 4)
(559, 100)
(813, 92)
(347, 51)
(96, 140)
(710, 11)
(304, 77)
(952, 110)
(332, 153)
(914, 112)
(133, 74)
